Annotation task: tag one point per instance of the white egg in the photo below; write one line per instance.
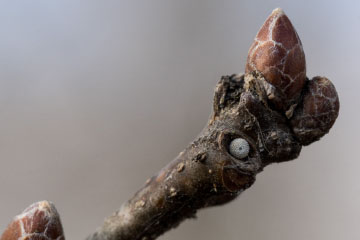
(239, 148)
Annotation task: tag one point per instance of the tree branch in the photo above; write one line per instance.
(259, 118)
(205, 173)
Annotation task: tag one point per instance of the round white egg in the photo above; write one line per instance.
(239, 148)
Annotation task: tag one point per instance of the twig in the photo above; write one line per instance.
(259, 118)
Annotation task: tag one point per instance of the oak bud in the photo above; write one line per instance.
(317, 111)
(278, 54)
(39, 221)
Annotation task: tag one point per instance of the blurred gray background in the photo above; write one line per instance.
(97, 96)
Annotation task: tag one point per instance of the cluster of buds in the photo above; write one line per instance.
(277, 53)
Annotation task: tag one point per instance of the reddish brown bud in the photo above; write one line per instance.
(278, 54)
(317, 112)
(40, 221)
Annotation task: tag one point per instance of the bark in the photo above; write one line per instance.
(205, 173)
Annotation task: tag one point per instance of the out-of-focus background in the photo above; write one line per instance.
(97, 96)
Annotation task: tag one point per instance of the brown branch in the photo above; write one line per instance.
(259, 118)
(205, 173)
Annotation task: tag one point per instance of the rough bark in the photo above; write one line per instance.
(205, 173)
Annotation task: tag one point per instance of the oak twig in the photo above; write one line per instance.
(205, 173)
(261, 117)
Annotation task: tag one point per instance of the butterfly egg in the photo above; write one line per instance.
(239, 148)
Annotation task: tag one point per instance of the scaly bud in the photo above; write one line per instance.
(277, 53)
(40, 221)
(317, 111)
